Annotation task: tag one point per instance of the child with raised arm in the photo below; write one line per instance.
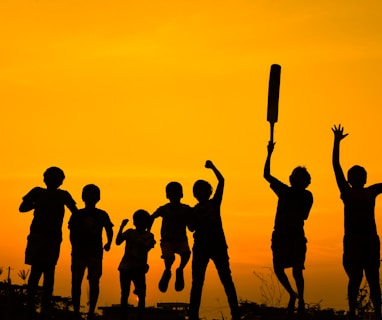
(288, 237)
(86, 228)
(175, 216)
(361, 241)
(210, 244)
(133, 266)
(45, 237)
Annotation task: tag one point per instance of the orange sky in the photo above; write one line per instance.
(133, 94)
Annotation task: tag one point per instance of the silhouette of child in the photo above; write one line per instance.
(175, 216)
(86, 228)
(45, 236)
(288, 237)
(133, 266)
(361, 241)
(210, 243)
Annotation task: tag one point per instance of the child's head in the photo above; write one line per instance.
(141, 219)
(357, 176)
(54, 177)
(174, 191)
(91, 194)
(300, 178)
(202, 190)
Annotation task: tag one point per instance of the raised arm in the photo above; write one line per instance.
(119, 238)
(338, 136)
(267, 166)
(219, 176)
(155, 215)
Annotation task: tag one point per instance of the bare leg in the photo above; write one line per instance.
(299, 279)
(93, 296)
(34, 278)
(77, 276)
(179, 281)
(353, 288)
(372, 277)
(281, 275)
(166, 276)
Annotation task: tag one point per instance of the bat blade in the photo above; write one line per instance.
(273, 93)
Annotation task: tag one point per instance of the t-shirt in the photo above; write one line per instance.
(293, 208)
(49, 212)
(174, 221)
(359, 210)
(137, 246)
(86, 228)
(207, 223)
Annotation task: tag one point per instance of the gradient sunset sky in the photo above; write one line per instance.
(131, 95)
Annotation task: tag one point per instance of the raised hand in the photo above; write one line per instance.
(209, 164)
(124, 222)
(338, 133)
(106, 247)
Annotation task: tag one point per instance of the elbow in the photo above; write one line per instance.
(23, 208)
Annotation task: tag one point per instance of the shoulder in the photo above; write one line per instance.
(129, 233)
(308, 194)
(276, 183)
(308, 197)
(37, 189)
(103, 215)
(101, 212)
(279, 187)
(65, 194)
(35, 192)
(161, 210)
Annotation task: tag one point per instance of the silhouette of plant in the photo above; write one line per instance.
(364, 304)
(23, 274)
(270, 289)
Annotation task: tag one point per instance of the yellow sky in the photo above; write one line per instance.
(133, 94)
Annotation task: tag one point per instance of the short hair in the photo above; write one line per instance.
(357, 176)
(202, 189)
(174, 189)
(54, 176)
(141, 218)
(300, 177)
(91, 193)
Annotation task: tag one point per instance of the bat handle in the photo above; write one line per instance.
(272, 126)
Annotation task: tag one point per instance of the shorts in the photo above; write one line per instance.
(169, 248)
(42, 250)
(288, 250)
(137, 277)
(361, 253)
(92, 263)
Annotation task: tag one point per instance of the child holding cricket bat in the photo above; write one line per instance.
(288, 237)
(361, 241)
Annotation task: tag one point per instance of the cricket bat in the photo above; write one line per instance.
(273, 97)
